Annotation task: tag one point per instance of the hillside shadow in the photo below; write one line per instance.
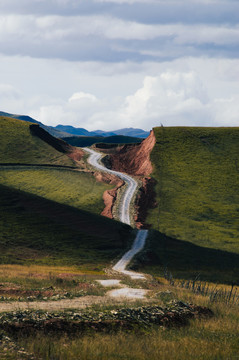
(186, 260)
(30, 224)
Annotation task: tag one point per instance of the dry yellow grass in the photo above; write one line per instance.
(23, 271)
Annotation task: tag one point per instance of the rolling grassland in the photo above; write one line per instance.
(54, 244)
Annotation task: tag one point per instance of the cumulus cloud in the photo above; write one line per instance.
(173, 98)
(81, 96)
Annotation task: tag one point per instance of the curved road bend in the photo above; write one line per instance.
(131, 185)
(124, 214)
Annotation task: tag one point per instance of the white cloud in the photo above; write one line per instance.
(226, 111)
(191, 91)
(81, 96)
(171, 97)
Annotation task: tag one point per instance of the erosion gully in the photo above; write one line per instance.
(123, 216)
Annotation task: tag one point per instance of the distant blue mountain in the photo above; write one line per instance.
(139, 133)
(72, 130)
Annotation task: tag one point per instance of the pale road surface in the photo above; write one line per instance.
(124, 216)
(131, 185)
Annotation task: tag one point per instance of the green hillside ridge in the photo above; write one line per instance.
(197, 173)
(69, 187)
(34, 230)
(18, 145)
(197, 193)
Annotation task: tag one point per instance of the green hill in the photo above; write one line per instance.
(34, 230)
(197, 193)
(65, 186)
(19, 145)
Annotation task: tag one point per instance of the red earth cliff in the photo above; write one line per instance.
(109, 196)
(134, 159)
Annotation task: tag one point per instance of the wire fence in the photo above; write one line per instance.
(216, 293)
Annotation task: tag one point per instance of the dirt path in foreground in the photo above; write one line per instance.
(77, 303)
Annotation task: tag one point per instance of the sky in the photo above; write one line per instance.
(111, 64)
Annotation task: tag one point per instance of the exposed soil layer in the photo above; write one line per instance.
(109, 196)
(134, 159)
(75, 154)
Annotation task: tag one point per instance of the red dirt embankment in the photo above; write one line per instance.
(135, 160)
(109, 196)
(74, 153)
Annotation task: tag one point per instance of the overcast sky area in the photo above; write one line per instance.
(110, 64)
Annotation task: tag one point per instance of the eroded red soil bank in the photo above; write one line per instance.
(109, 196)
(135, 160)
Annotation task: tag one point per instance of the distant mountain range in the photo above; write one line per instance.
(62, 131)
(139, 133)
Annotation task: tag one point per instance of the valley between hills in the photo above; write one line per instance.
(68, 274)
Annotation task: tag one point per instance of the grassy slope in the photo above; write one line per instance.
(37, 230)
(17, 145)
(77, 189)
(48, 215)
(197, 194)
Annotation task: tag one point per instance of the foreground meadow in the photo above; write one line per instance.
(215, 337)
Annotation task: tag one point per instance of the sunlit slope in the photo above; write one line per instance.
(36, 230)
(197, 190)
(65, 186)
(18, 145)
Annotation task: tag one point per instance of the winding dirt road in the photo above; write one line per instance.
(124, 215)
(131, 185)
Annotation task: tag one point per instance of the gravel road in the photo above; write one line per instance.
(131, 186)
